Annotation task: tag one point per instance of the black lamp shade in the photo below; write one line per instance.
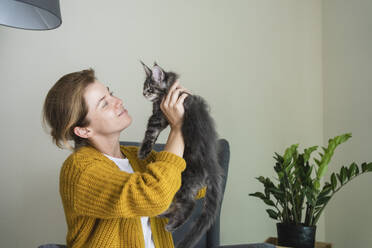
(30, 14)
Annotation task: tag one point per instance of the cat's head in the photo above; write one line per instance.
(157, 82)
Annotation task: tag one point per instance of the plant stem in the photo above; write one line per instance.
(292, 200)
(276, 206)
(285, 206)
(321, 210)
(293, 206)
(311, 215)
(307, 216)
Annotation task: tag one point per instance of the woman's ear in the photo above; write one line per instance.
(82, 132)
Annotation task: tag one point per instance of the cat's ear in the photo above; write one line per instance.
(158, 74)
(156, 64)
(147, 69)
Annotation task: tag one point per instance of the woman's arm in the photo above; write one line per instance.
(172, 107)
(175, 143)
(201, 193)
(89, 188)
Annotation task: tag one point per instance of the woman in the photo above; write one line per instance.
(110, 197)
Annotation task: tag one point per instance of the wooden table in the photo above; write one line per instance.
(274, 241)
(258, 245)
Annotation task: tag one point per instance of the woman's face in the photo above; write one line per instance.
(105, 111)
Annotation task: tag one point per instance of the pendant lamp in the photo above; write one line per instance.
(30, 14)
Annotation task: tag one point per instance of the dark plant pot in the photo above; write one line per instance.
(298, 236)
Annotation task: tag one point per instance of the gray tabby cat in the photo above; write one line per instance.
(200, 154)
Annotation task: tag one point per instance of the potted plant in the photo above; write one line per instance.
(298, 200)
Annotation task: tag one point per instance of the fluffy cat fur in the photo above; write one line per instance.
(200, 154)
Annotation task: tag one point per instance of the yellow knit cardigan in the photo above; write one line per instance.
(103, 204)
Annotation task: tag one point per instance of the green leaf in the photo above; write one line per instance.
(366, 167)
(259, 195)
(325, 191)
(288, 154)
(323, 197)
(276, 191)
(309, 172)
(345, 137)
(289, 168)
(267, 193)
(307, 153)
(332, 144)
(261, 179)
(343, 174)
(348, 173)
(317, 161)
(333, 181)
(352, 170)
(309, 196)
(272, 213)
(363, 167)
(339, 178)
(323, 200)
(280, 175)
(278, 194)
(269, 202)
(278, 158)
(316, 184)
(357, 171)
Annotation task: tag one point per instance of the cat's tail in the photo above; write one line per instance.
(212, 207)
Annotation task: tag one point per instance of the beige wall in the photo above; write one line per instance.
(258, 63)
(347, 59)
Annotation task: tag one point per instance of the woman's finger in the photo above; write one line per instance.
(182, 98)
(183, 89)
(175, 95)
(174, 86)
(166, 99)
(162, 103)
(168, 96)
(186, 91)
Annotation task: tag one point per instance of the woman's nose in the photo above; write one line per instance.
(118, 102)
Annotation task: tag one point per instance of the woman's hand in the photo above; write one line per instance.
(172, 105)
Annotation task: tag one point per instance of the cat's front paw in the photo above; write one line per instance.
(173, 225)
(170, 228)
(164, 215)
(144, 150)
(142, 154)
(168, 215)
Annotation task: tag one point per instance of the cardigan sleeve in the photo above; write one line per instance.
(201, 193)
(104, 192)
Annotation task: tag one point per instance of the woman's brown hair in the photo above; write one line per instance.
(65, 108)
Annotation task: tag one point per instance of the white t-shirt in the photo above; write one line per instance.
(124, 165)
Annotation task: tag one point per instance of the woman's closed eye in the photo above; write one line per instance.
(111, 93)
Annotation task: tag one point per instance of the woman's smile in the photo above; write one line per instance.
(124, 111)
